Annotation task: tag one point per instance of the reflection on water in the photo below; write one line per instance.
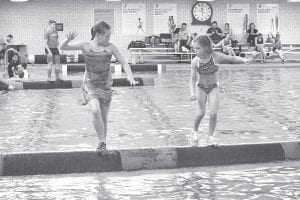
(263, 105)
(268, 182)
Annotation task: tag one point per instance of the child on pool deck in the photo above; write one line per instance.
(227, 45)
(97, 81)
(16, 69)
(277, 49)
(205, 64)
(260, 46)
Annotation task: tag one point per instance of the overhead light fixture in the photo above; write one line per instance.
(113, 0)
(292, 1)
(18, 0)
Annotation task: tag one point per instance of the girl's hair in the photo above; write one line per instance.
(250, 25)
(100, 27)
(259, 35)
(14, 54)
(227, 24)
(205, 42)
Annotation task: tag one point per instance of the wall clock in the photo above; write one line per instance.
(202, 13)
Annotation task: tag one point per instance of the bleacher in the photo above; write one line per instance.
(164, 53)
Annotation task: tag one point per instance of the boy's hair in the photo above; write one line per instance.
(259, 34)
(214, 22)
(205, 42)
(100, 27)
(10, 36)
(184, 24)
(51, 22)
(226, 24)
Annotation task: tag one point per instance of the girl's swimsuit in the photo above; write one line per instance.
(97, 80)
(207, 69)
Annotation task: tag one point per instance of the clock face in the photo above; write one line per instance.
(202, 11)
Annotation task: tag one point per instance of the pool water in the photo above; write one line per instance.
(260, 182)
(257, 105)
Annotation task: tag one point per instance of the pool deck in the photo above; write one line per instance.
(63, 162)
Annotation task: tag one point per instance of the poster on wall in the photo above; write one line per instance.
(133, 18)
(268, 18)
(238, 17)
(165, 17)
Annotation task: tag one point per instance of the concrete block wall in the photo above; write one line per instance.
(27, 21)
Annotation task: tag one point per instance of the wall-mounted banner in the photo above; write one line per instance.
(134, 18)
(238, 17)
(165, 17)
(267, 18)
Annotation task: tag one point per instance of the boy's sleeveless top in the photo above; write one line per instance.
(97, 80)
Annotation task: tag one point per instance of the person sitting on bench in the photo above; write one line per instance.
(277, 50)
(215, 33)
(227, 45)
(260, 47)
(183, 38)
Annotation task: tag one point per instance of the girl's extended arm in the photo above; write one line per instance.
(220, 57)
(124, 64)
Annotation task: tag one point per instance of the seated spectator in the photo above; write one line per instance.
(215, 33)
(260, 47)
(4, 84)
(227, 45)
(252, 34)
(227, 30)
(12, 65)
(190, 41)
(277, 50)
(16, 68)
(183, 37)
(9, 39)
